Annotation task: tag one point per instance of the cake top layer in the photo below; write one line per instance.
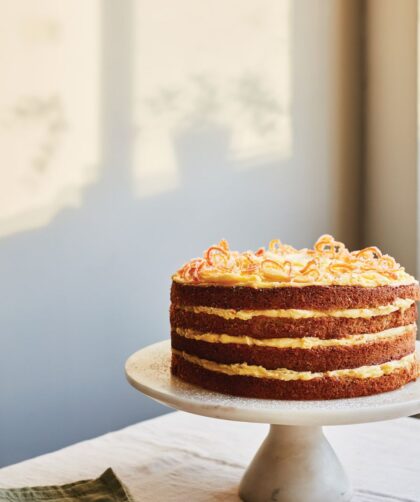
(329, 263)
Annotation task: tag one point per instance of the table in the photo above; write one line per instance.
(180, 457)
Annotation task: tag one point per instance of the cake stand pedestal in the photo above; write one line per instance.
(295, 463)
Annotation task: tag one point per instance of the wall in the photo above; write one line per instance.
(391, 129)
(256, 137)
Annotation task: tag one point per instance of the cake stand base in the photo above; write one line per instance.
(295, 464)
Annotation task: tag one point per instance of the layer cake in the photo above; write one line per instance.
(286, 323)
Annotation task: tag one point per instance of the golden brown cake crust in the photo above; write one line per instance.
(314, 359)
(277, 327)
(305, 297)
(317, 388)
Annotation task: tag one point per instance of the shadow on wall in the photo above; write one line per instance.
(83, 293)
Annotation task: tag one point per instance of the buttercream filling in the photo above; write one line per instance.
(366, 280)
(245, 315)
(244, 369)
(298, 343)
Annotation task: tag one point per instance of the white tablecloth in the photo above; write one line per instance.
(182, 457)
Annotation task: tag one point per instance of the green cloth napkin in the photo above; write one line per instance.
(107, 488)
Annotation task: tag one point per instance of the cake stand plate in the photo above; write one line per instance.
(295, 463)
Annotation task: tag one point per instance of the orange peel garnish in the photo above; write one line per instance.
(196, 271)
(274, 246)
(369, 253)
(224, 244)
(339, 268)
(215, 251)
(325, 263)
(275, 270)
(327, 244)
(311, 265)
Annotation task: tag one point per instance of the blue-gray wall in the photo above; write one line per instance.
(82, 293)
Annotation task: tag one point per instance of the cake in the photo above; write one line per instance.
(286, 323)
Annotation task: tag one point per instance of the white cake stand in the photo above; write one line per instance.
(295, 463)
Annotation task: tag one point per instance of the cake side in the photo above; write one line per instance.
(325, 387)
(264, 326)
(291, 297)
(316, 358)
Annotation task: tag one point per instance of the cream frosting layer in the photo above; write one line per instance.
(244, 369)
(295, 343)
(281, 265)
(245, 315)
(369, 279)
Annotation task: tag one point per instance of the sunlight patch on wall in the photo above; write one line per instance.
(210, 75)
(49, 61)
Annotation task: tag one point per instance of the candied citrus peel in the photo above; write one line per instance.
(329, 262)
